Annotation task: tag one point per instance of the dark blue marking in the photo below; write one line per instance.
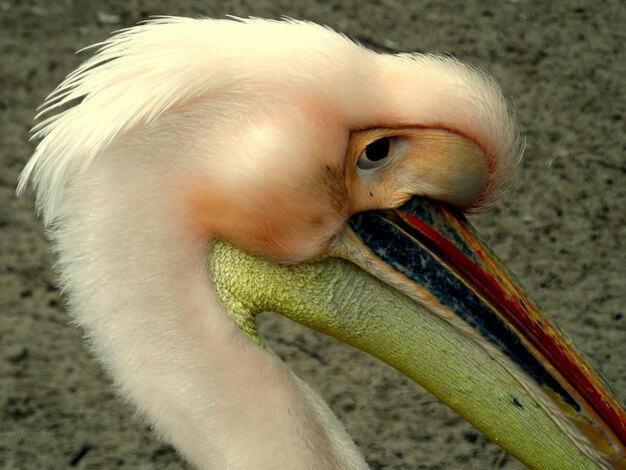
(418, 264)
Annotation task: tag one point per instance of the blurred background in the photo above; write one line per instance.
(562, 230)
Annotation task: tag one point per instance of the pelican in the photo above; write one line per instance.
(319, 180)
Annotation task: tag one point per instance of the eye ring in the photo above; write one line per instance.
(376, 153)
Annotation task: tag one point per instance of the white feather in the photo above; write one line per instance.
(143, 72)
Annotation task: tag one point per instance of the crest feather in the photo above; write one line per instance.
(176, 61)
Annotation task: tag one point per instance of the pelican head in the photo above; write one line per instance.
(319, 180)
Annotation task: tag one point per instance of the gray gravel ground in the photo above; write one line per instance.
(562, 231)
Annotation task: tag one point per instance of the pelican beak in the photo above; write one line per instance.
(430, 252)
(417, 288)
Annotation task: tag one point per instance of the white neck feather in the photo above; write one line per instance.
(137, 283)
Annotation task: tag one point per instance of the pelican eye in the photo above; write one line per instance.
(376, 153)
